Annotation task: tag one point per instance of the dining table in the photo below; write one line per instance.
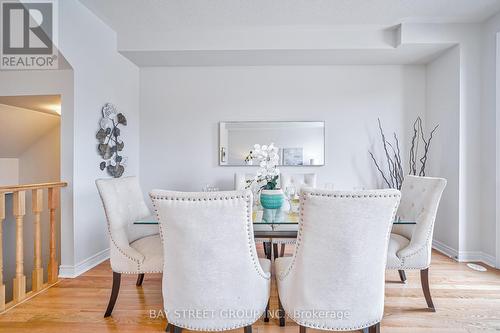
(271, 224)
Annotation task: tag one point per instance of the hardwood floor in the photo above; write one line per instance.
(466, 301)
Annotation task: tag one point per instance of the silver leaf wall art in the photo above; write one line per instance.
(110, 144)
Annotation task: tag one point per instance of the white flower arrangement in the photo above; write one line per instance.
(268, 172)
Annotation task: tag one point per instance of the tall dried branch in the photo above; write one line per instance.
(427, 144)
(395, 174)
(390, 162)
(379, 169)
(398, 164)
(414, 146)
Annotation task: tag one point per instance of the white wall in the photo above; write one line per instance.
(490, 137)
(497, 136)
(471, 171)
(9, 171)
(443, 108)
(181, 108)
(100, 75)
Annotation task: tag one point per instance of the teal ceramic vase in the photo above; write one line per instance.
(271, 199)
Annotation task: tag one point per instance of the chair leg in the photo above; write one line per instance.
(268, 251)
(302, 329)
(424, 280)
(248, 329)
(282, 252)
(372, 329)
(275, 250)
(266, 314)
(281, 315)
(175, 329)
(114, 293)
(402, 275)
(140, 278)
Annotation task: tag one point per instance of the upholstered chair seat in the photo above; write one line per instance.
(211, 262)
(134, 249)
(281, 264)
(148, 248)
(266, 265)
(396, 244)
(410, 246)
(338, 267)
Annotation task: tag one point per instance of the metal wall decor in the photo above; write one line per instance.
(110, 144)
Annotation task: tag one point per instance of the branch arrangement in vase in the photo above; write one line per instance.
(394, 175)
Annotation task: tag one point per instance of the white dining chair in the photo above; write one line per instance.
(211, 262)
(410, 246)
(338, 266)
(297, 181)
(134, 249)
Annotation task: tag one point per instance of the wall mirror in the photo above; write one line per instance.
(301, 143)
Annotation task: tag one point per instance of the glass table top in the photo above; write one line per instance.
(269, 217)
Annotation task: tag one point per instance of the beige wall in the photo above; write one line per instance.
(41, 162)
(9, 171)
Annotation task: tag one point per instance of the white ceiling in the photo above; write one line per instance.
(20, 128)
(278, 32)
(169, 15)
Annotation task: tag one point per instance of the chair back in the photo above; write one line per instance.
(210, 261)
(299, 180)
(124, 203)
(339, 262)
(420, 198)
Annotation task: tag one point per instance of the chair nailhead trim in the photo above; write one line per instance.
(337, 328)
(297, 248)
(251, 241)
(303, 198)
(211, 329)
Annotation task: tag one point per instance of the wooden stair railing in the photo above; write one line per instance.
(19, 211)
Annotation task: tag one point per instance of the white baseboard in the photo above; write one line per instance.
(445, 249)
(477, 256)
(67, 271)
(464, 256)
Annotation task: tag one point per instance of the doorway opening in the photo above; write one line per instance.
(30, 155)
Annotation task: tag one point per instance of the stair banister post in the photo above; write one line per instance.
(19, 287)
(37, 207)
(53, 205)
(2, 285)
